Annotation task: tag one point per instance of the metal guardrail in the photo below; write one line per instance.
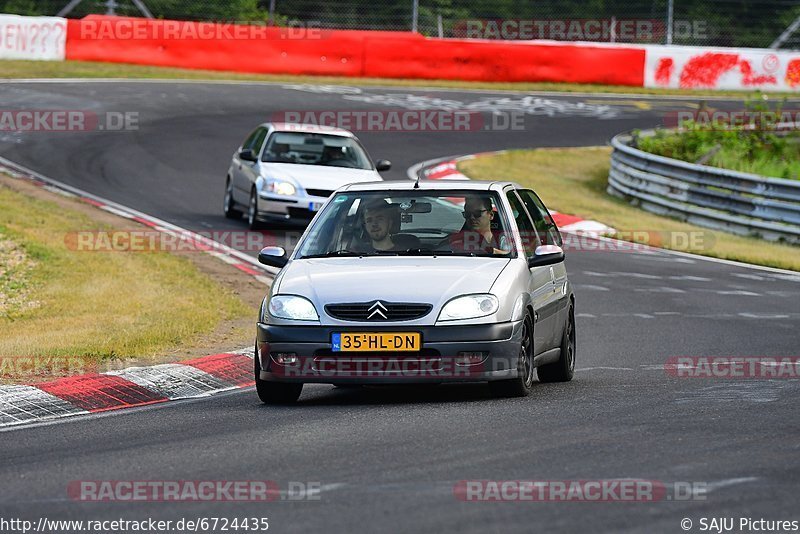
(736, 202)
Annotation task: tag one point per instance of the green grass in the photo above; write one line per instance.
(101, 305)
(85, 69)
(757, 152)
(573, 180)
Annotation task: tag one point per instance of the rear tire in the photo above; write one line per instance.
(275, 392)
(522, 384)
(229, 205)
(564, 368)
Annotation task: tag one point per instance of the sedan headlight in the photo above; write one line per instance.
(469, 307)
(281, 187)
(292, 307)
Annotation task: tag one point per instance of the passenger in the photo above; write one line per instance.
(477, 234)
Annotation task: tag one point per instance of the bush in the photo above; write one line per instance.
(754, 145)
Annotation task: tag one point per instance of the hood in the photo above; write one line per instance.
(318, 176)
(394, 279)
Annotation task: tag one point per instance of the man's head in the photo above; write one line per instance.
(478, 213)
(378, 219)
(332, 152)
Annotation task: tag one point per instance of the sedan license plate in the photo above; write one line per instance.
(377, 342)
(314, 206)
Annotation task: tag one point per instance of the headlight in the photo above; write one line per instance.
(281, 187)
(469, 307)
(292, 307)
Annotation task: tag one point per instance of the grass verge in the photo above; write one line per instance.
(88, 69)
(99, 307)
(573, 180)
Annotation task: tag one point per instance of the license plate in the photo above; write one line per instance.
(377, 342)
(314, 206)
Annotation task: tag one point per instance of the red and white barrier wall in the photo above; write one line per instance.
(688, 67)
(271, 50)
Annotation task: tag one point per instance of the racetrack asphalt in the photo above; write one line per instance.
(389, 458)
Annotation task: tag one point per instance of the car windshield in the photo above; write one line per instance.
(410, 223)
(316, 149)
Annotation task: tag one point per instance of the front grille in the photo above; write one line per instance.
(325, 193)
(378, 311)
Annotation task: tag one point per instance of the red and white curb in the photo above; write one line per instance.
(447, 169)
(229, 255)
(126, 388)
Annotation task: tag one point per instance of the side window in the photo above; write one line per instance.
(529, 238)
(248, 143)
(545, 226)
(258, 141)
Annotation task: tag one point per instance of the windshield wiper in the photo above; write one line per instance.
(332, 254)
(344, 253)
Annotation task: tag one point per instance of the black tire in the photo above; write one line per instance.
(252, 211)
(228, 204)
(564, 368)
(522, 384)
(276, 392)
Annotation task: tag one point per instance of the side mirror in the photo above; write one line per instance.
(247, 155)
(273, 256)
(546, 255)
(383, 165)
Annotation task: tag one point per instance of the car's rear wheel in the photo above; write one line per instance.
(275, 392)
(564, 368)
(252, 211)
(522, 384)
(229, 205)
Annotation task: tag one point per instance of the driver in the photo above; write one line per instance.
(378, 218)
(332, 153)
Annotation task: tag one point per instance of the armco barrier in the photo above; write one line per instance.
(741, 203)
(353, 53)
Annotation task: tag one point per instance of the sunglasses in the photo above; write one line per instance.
(475, 214)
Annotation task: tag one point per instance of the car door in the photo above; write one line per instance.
(245, 172)
(540, 286)
(547, 229)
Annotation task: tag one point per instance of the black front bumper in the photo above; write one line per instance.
(436, 362)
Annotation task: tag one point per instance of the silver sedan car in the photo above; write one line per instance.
(403, 282)
(286, 171)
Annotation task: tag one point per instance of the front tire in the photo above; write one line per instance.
(564, 368)
(275, 392)
(521, 385)
(252, 211)
(229, 205)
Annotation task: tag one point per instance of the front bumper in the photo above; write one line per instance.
(288, 207)
(438, 361)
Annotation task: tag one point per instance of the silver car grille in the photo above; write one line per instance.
(378, 311)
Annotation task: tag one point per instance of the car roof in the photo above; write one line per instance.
(430, 185)
(308, 128)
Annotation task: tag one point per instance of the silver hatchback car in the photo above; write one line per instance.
(403, 282)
